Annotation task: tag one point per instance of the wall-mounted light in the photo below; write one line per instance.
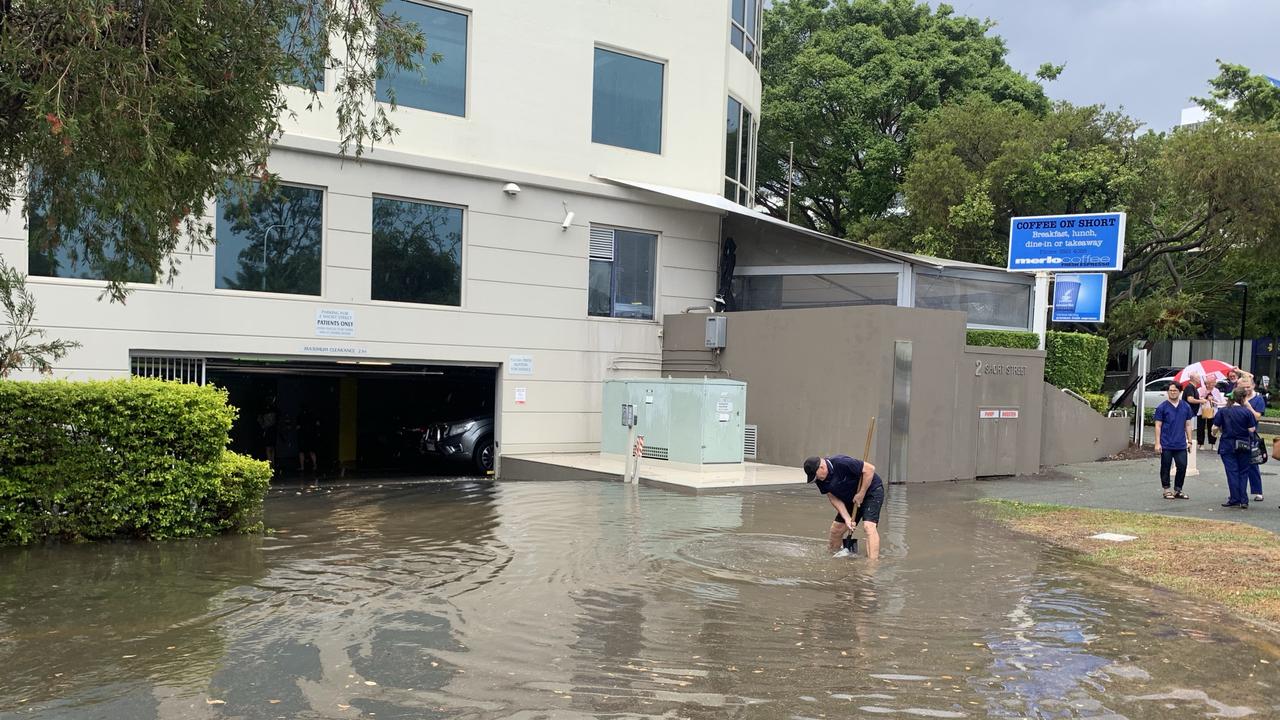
(511, 189)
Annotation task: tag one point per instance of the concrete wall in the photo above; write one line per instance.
(1000, 378)
(816, 377)
(1074, 432)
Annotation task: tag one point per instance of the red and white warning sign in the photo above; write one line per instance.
(1008, 414)
(988, 414)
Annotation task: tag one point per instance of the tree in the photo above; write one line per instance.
(1237, 94)
(1193, 198)
(134, 114)
(22, 345)
(979, 162)
(847, 81)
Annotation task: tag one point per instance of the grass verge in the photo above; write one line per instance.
(1230, 563)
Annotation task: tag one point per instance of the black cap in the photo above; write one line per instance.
(811, 467)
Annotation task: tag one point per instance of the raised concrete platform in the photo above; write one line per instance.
(595, 466)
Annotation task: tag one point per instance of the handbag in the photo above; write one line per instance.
(1275, 451)
(1258, 453)
(1206, 410)
(1244, 446)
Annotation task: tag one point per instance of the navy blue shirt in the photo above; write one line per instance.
(844, 474)
(1258, 403)
(1236, 421)
(1173, 428)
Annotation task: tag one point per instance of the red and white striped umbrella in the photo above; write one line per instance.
(1211, 370)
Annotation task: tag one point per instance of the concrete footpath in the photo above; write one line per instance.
(1134, 485)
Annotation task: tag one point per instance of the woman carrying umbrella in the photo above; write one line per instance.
(1199, 382)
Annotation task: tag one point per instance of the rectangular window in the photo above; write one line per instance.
(303, 46)
(626, 102)
(986, 302)
(622, 273)
(739, 154)
(417, 252)
(784, 292)
(744, 27)
(54, 250)
(442, 86)
(270, 242)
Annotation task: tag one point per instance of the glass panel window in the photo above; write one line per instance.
(270, 242)
(744, 26)
(59, 251)
(624, 286)
(783, 292)
(986, 302)
(626, 102)
(739, 155)
(417, 252)
(302, 46)
(732, 139)
(442, 86)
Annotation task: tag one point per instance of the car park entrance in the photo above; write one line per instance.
(360, 418)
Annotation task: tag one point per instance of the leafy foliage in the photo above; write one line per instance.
(1075, 361)
(121, 458)
(847, 82)
(1100, 402)
(1002, 339)
(137, 114)
(22, 345)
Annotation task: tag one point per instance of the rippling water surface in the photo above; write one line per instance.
(576, 600)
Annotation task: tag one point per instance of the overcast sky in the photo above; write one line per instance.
(1149, 56)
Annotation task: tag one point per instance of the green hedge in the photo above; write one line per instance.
(1075, 360)
(1003, 339)
(121, 458)
(1098, 401)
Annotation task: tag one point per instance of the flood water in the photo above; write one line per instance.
(579, 599)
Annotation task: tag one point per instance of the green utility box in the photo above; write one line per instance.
(696, 422)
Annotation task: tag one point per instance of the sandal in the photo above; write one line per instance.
(1181, 495)
(1168, 494)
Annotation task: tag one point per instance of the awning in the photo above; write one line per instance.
(728, 207)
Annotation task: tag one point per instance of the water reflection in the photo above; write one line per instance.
(573, 599)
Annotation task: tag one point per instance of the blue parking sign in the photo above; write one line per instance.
(1057, 243)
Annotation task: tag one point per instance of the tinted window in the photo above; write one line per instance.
(417, 252)
(442, 86)
(270, 242)
(626, 103)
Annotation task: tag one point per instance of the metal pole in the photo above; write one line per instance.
(265, 235)
(1244, 307)
(791, 165)
(1039, 316)
(1144, 363)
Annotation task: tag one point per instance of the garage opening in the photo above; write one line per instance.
(360, 418)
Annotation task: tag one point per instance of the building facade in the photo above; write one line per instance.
(476, 265)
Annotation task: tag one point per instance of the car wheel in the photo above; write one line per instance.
(483, 455)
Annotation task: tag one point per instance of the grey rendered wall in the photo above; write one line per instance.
(816, 377)
(1001, 378)
(1073, 432)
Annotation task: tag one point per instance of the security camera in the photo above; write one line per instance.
(568, 221)
(511, 189)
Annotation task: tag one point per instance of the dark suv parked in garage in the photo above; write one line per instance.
(469, 440)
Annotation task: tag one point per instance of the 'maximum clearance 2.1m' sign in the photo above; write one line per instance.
(1066, 242)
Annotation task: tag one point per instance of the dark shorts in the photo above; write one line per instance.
(869, 510)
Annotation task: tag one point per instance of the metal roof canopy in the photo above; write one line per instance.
(725, 206)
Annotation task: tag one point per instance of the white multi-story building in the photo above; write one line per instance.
(477, 265)
(568, 174)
